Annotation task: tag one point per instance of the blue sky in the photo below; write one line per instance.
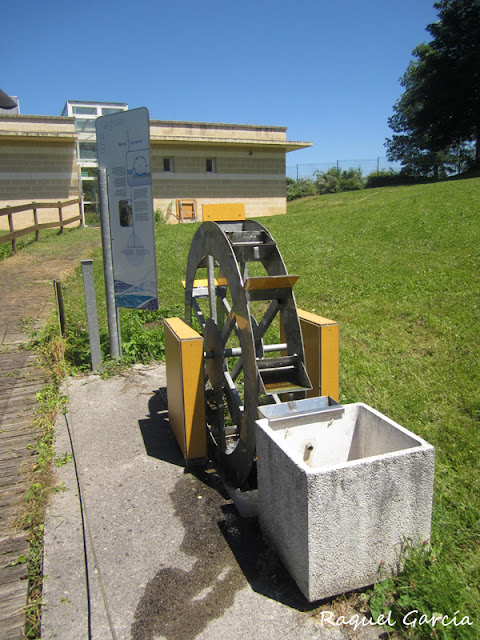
(329, 71)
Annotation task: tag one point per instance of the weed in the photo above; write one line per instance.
(47, 238)
(19, 560)
(61, 460)
(59, 488)
(159, 217)
(49, 403)
(142, 337)
(423, 601)
(113, 368)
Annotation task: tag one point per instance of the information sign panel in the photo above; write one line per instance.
(123, 146)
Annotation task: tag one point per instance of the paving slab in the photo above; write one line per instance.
(168, 556)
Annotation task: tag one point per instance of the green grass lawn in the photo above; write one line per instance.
(399, 269)
(6, 250)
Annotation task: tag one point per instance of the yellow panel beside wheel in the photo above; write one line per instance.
(320, 337)
(223, 211)
(185, 387)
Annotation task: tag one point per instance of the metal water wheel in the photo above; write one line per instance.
(236, 311)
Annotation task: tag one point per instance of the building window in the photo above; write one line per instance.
(86, 111)
(87, 151)
(168, 165)
(211, 165)
(85, 124)
(106, 111)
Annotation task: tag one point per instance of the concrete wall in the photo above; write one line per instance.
(255, 177)
(37, 163)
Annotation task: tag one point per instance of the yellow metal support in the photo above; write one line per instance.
(185, 387)
(263, 283)
(320, 340)
(203, 282)
(223, 211)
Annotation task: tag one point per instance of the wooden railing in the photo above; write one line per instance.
(37, 227)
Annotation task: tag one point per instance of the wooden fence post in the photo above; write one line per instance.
(35, 222)
(80, 213)
(60, 215)
(57, 285)
(10, 224)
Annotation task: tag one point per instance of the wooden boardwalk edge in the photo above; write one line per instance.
(20, 380)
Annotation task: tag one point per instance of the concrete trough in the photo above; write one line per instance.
(341, 490)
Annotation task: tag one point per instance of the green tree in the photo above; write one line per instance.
(437, 117)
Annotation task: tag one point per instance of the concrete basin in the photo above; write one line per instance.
(341, 490)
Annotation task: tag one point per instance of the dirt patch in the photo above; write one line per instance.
(26, 279)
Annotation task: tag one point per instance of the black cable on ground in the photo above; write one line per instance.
(83, 511)
(84, 533)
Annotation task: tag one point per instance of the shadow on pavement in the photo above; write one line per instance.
(157, 435)
(256, 559)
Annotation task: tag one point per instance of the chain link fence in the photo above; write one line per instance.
(368, 166)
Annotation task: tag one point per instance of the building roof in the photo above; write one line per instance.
(62, 128)
(221, 134)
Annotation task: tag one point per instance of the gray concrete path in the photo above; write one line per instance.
(168, 555)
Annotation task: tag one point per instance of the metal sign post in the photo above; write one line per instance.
(108, 266)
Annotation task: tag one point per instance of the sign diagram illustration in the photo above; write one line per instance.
(124, 151)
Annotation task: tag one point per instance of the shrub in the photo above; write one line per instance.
(351, 180)
(327, 181)
(300, 188)
(334, 180)
(159, 217)
(388, 178)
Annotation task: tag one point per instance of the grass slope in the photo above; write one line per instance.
(399, 269)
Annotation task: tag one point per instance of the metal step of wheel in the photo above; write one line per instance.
(251, 246)
(286, 374)
(249, 238)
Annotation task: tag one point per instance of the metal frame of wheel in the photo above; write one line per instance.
(237, 371)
